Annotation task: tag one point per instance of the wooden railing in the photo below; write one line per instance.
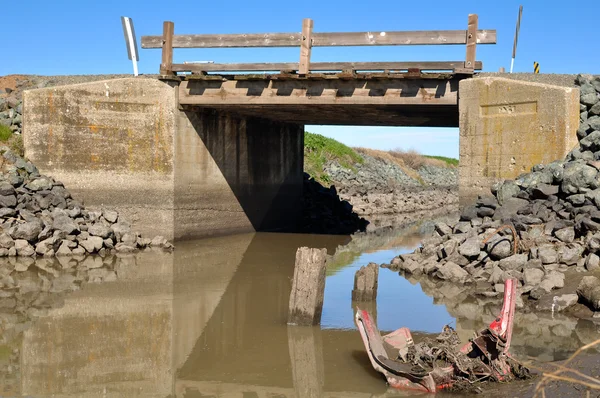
(308, 39)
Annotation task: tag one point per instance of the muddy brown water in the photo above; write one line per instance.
(209, 320)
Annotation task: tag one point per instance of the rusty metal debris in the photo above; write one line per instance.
(442, 363)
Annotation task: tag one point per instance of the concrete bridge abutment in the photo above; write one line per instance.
(507, 126)
(126, 144)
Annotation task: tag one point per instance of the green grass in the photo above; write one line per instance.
(318, 150)
(449, 161)
(5, 133)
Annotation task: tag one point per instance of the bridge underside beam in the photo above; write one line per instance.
(329, 90)
(352, 99)
(347, 115)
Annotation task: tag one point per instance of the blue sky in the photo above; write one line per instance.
(85, 37)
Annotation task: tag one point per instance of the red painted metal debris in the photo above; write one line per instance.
(485, 357)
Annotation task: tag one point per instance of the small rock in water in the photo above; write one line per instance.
(565, 301)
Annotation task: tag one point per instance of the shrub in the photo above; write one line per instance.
(411, 158)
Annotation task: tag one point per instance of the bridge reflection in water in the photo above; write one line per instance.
(213, 311)
(209, 320)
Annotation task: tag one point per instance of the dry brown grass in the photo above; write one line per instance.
(387, 156)
(405, 159)
(415, 160)
(566, 374)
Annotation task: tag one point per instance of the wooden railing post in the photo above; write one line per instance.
(305, 46)
(471, 42)
(166, 66)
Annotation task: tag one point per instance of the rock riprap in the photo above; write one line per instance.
(39, 217)
(554, 210)
(11, 109)
(380, 186)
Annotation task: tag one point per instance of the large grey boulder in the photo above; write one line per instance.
(533, 276)
(24, 248)
(110, 215)
(8, 200)
(100, 230)
(589, 292)
(515, 262)
(452, 272)
(499, 248)
(470, 247)
(566, 235)
(577, 176)
(62, 222)
(507, 190)
(40, 184)
(6, 188)
(92, 244)
(510, 208)
(28, 230)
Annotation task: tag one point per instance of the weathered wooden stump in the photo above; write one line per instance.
(308, 287)
(365, 283)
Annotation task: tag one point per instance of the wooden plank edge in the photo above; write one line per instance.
(484, 36)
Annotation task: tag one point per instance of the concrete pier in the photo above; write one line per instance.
(125, 144)
(507, 126)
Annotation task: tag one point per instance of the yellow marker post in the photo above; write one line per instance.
(536, 67)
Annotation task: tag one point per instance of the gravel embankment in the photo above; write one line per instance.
(380, 186)
(555, 211)
(39, 217)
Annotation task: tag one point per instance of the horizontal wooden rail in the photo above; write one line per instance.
(324, 66)
(394, 38)
(307, 39)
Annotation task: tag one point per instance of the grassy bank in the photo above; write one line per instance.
(14, 141)
(319, 150)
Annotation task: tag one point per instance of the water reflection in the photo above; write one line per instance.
(209, 320)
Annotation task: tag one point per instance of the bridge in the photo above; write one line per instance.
(341, 93)
(211, 148)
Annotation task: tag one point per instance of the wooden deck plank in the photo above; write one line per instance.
(374, 38)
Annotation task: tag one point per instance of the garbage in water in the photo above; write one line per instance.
(442, 363)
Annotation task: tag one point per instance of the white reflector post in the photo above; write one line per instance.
(132, 50)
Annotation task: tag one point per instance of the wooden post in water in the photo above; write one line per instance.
(308, 287)
(365, 283)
